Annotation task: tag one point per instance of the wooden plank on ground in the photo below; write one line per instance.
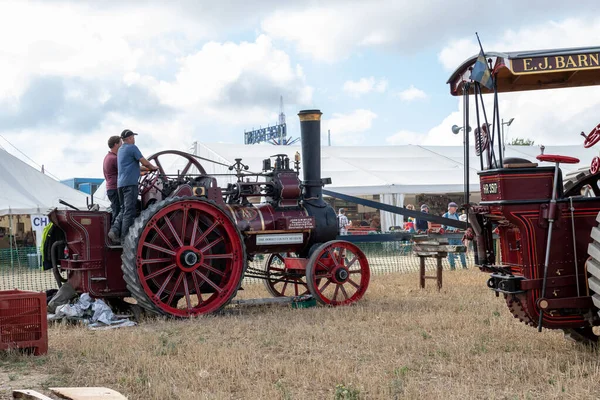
(270, 300)
(88, 393)
(26, 394)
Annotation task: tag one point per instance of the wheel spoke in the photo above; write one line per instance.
(164, 285)
(172, 229)
(205, 233)
(187, 293)
(335, 261)
(351, 263)
(160, 167)
(159, 248)
(321, 276)
(212, 269)
(156, 260)
(218, 256)
(357, 271)
(296, 289)
(324, 266)
(159, 272)
(211, 283)
(194, 228)
(343, 291)
(212, 244)
(335, 292)
(163, 236)
(284, 287)
(197, 288)
(172, 295)
(185, 170)
(324, 286)
(184, 225)
(350, 281)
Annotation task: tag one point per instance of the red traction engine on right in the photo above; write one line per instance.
(544, 224)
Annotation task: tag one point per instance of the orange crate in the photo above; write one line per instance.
(23, 321)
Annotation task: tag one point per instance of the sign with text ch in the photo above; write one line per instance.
(567, 62)
(38, 223)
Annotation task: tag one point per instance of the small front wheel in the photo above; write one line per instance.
(338, 273)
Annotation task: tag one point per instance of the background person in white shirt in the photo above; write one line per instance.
(343, 222)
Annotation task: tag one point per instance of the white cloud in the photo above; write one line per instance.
(122, 72)
(225, 80)
(412, 94)
(333, 30)
(348, 129)
(571, 32)
(364, 86)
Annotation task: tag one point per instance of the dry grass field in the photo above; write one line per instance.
(399, 342)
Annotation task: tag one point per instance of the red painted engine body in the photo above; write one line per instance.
(517, 202)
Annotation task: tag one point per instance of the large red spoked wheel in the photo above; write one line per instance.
(281, 281)
(172, 165)
(592, 138)
(183, 248)
(337, 273)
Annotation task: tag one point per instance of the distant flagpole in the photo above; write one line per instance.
(479, 41)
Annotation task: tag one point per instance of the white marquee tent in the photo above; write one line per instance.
(25, 190)
(389, 171)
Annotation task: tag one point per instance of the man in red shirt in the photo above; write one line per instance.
(111, 173)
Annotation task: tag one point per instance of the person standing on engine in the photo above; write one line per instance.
(452, 214)
(110, 169)
(343, 222)
(129, 158)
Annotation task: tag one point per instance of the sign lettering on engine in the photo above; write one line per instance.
(300, 223)
(490, 188)
(287, 238)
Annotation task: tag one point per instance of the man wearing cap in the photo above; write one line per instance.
(452, 214)
(421, 225)
(129, 158)
(110, 169)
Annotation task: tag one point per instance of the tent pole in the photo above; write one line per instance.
(11, 236)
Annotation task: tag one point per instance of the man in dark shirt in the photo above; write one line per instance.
(423, 226)
(110, 169)
(129, 159)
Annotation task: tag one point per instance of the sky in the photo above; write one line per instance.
(74, 73)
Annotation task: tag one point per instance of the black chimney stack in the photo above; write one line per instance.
(310, 131)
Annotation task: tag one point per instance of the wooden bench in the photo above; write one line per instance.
(438, 248)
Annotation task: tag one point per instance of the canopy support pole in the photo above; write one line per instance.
(11, 236)
(466, 140)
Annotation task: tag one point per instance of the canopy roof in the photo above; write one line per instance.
(371, 170)
(535, 70)
(25, 190)
(364, 170)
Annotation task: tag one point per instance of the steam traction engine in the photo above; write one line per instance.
(547, 222)
(187, 252)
